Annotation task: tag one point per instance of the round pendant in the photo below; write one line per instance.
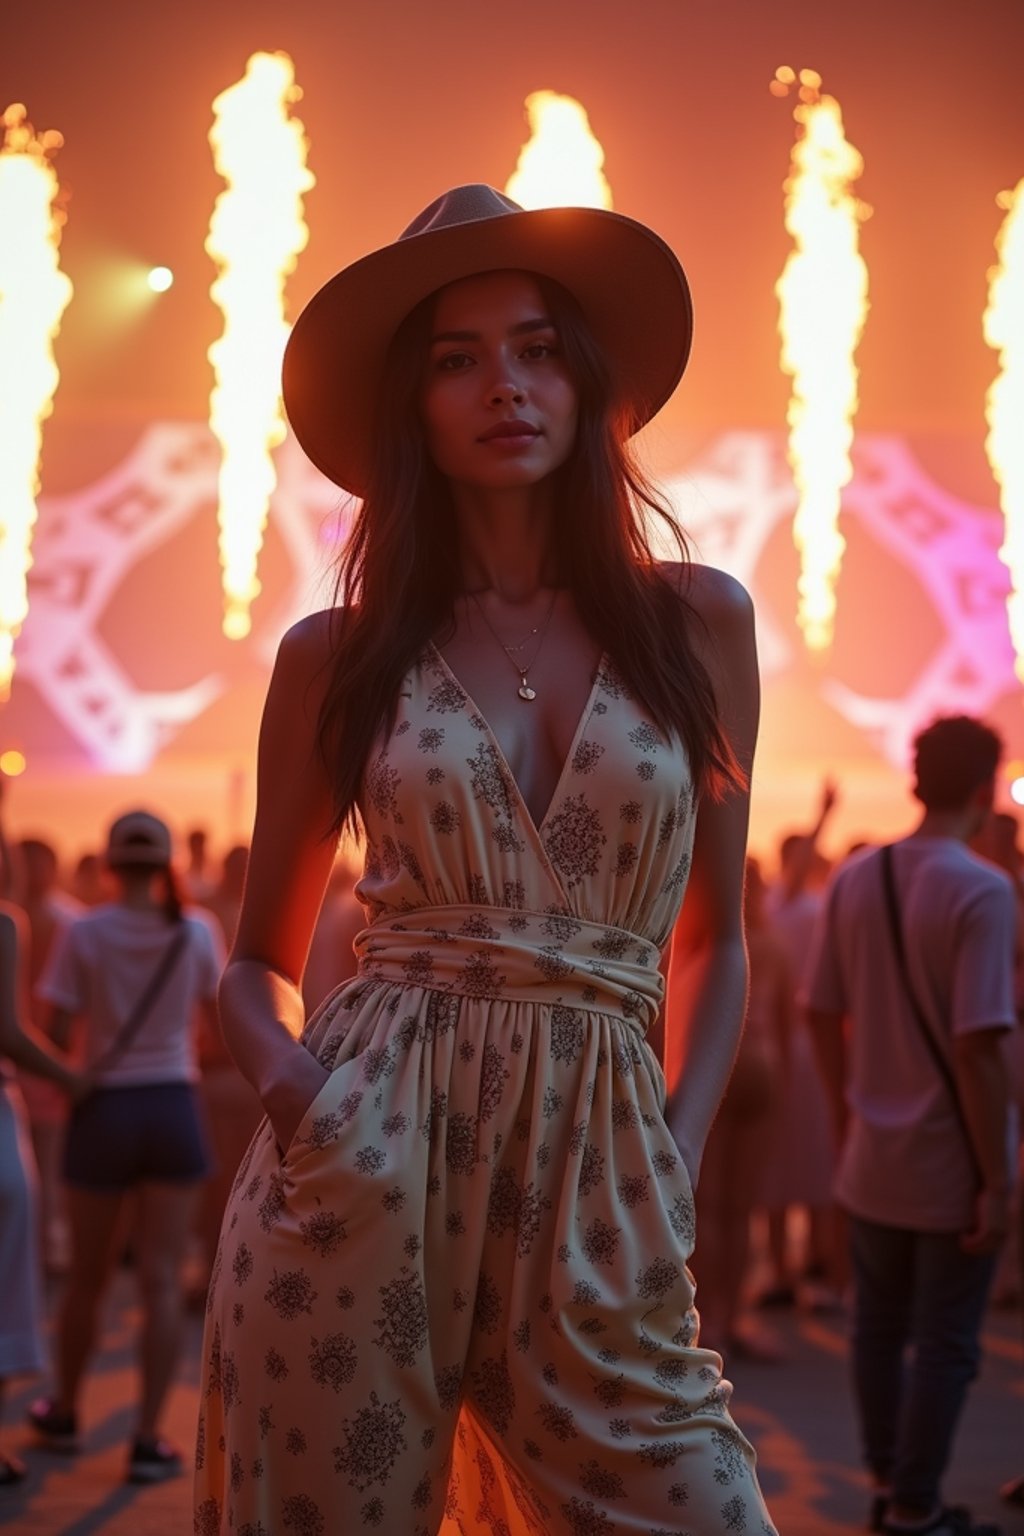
(526, 692)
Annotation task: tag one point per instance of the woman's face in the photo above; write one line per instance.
(498, 405)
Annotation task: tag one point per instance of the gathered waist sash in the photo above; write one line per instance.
(519, 955)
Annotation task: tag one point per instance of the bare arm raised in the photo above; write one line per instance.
(708, 969)
(290, 861)
(22, 1044)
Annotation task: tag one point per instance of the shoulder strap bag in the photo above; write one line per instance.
(144, 1006)
(935, 1050)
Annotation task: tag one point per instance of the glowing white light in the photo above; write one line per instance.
(34, 293)
(1017, 791)
(561, 164)
(1004, 330)
(160, 279)
(256, 233)
(823, 304)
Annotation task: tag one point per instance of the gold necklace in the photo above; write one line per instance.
(524, 690)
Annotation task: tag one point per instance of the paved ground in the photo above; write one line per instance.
(798, 1414)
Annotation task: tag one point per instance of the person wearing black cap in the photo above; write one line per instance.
(134, 970)
(452, 1289)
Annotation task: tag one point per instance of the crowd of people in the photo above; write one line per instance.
(81, 1189)
(123, 1117)
(544, 1102)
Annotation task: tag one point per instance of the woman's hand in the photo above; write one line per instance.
(295, 1087)
(690, 1155)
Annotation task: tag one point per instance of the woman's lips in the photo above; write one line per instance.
(510, 435)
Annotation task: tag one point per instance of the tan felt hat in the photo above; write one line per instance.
(628, 282)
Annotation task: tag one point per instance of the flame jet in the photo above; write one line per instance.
(1004, 402)
(256, 233)
(823, 303)
(561, 164)
(34, 293)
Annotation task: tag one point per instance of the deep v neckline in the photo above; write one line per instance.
(470, 704)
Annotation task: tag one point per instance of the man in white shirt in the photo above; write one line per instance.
(925, 1167)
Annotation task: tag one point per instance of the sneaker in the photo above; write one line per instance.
(153, 1460)
(58, 1431)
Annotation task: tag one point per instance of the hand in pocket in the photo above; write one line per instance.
(293, 1091)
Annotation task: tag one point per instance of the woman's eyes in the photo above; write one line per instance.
(457, 362)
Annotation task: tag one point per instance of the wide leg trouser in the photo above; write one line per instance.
(460, 1302)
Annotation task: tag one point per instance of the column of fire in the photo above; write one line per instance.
(34, 293)
(823, 304)
(256, 233)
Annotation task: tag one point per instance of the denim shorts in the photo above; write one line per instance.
(129, 1135)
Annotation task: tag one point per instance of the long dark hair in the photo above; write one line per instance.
(398, 578)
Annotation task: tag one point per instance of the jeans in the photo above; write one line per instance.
(918, 1308)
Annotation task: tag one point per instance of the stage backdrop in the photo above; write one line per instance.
(126, 691)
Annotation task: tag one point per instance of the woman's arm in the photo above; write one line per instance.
(26, 1047)
(708, 969)
(291, 857)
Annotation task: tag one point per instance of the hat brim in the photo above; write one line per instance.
(629, 283)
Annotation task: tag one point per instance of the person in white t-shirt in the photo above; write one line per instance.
(134, 971)
(925, 1169)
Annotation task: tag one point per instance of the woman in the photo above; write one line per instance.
(740, 1140)
(451, 1293)
(135, 969)
(21, 1350)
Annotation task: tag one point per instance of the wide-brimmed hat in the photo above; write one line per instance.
(138, 837)
(627, 281)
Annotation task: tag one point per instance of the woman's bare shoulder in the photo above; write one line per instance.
(308, 645)
(719, 598)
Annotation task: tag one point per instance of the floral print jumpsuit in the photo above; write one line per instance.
(459, 1303)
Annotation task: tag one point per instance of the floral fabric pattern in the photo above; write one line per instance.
(459, 1302)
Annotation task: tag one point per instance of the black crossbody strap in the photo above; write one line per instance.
(935, 1050)
(144, 1006)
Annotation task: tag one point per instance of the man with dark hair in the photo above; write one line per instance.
(953, 759)
(914, 952)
